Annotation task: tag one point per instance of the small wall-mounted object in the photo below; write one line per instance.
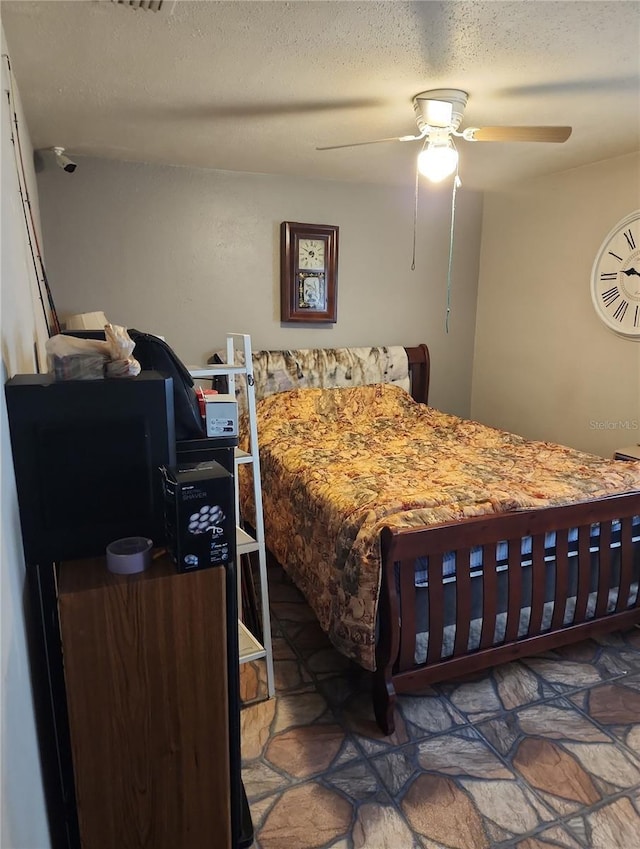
(46, 156)
(63, 161)
(308, 272)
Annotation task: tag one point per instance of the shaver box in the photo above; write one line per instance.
(199, 515)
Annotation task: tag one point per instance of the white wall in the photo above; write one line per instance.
(545, 366)
(192, 254)
(23, 823)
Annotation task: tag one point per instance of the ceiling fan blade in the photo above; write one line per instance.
(519, 134)
(586, 85)
(375, 141)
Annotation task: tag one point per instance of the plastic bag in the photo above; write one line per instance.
(74, 358)
(69, 358)
(122, 364)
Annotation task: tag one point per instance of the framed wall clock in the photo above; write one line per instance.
(308, 272)
(615, 278)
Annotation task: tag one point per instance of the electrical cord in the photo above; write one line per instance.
(51, 318)
(456, 186)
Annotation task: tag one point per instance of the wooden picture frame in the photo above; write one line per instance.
(308, 272)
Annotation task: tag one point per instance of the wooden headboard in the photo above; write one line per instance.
(419, 372)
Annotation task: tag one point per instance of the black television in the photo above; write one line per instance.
(87, 457)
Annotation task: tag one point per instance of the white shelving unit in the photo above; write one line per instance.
(250, 648)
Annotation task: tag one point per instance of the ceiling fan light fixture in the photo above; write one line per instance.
(440, 107)
(438, 161)
(437, 113)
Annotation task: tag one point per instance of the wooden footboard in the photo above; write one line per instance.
(562, 589)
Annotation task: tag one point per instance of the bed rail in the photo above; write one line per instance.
(584, 587)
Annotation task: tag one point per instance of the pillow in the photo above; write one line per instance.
(380, 400)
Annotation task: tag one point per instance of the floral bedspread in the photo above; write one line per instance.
(339, 464)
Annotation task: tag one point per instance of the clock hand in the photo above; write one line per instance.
(630, 271)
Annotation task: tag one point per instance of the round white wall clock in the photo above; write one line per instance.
(615, 278)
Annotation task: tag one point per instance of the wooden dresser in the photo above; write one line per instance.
(146, 674)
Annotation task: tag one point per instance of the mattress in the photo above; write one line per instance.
(502, 551)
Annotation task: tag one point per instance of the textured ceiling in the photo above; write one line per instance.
(256, 86)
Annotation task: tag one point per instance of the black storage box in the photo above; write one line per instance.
(199, 515)
(219, 448)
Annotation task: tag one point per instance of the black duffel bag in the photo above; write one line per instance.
(154, 353)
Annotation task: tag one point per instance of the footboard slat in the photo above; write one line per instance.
(604, 568)
(436, 609)
(562, 579)
(489, 596)
(515, 591)
(582, 600)
(463, 600)
(408, 607)
(626, 565)
(538, 584)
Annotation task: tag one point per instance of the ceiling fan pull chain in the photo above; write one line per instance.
(415, 211)
(456, 184)
(415, 223)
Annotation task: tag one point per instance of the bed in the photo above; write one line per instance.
(430, 546)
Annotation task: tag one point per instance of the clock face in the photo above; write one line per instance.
(311, 254)
(615, 278)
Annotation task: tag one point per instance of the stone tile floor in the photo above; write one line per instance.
(543, 752)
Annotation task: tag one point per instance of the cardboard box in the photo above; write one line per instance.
(221, 415)
(199, 515)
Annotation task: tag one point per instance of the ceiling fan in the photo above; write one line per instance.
(439, 114)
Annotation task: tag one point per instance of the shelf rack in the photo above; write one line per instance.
(240, 343)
